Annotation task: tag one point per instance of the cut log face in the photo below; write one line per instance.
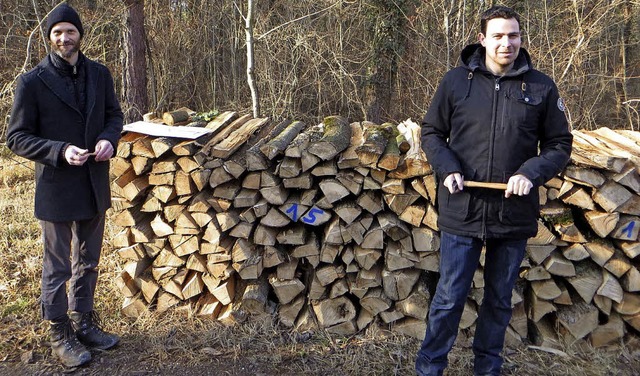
(579, 319)
(334, 311)
(425, 240)
(608, 333)
(631, 280)
(288, 290)
(602, 223)
(587, 280)
(612, 196)
(375, 301)
(627, 228)
(333, 190)
(351, 180)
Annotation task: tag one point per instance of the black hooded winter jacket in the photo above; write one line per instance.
(489, 128)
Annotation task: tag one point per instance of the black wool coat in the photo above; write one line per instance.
(45, 118)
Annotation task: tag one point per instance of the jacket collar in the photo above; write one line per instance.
(63, 66)
(473, 56)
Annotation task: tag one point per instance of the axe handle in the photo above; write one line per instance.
(479, 184)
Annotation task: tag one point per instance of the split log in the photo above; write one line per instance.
(349, 157)
(333, 190)
(255, 296)
(375, 142)
(287, 290)
(609, 332)
(278, 144)
(587, 280)
(391, 155)
(415, 161)
(375, 301)
(335, 139)
(579, 319)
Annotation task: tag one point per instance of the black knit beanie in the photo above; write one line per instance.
(64, 13)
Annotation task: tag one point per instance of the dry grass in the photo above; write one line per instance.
(180, 343)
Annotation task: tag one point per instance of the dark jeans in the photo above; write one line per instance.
(71, 253)
(459, 257)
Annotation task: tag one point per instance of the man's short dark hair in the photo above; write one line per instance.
(497, 11)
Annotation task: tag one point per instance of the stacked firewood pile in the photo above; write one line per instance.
(583, 280)
(334, 226)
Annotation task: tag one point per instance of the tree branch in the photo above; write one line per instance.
(298, 19)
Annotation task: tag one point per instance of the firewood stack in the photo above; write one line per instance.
(583, 275)
(334, 225)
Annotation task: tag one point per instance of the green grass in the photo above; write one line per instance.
(16, 308)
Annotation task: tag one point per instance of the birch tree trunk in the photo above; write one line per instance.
(251, 79)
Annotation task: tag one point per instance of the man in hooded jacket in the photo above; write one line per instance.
(67, 119)
(493, 119)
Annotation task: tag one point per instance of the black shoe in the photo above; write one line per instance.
(65, 345)
(89, 331)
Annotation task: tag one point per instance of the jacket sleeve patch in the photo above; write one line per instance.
(561, 105)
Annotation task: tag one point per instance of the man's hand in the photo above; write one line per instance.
(518, 185)
(76, 156)
(104, 150)
(454, 182)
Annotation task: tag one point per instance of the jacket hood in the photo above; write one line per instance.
(472, 57)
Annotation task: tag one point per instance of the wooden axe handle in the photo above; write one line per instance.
(479, 184)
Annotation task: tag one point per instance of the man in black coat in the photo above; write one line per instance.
(493, 119)
(67, 119)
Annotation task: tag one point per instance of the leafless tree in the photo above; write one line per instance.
(316, 58)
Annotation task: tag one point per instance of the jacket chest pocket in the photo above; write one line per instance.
(523, 109)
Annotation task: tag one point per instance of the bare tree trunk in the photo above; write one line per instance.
(251, 79)
(134, 77)
(388, 21)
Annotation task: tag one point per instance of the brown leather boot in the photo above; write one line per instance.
(65, 345)
(89, 331)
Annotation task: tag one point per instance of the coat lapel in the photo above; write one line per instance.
(51, 79)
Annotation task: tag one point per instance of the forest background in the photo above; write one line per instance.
(377, 60)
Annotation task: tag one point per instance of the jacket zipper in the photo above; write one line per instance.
(491, 148)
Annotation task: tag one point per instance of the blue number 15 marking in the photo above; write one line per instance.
(311, 215)
(293, 209)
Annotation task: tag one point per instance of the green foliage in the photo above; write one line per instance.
(206, 116)
(18, 307)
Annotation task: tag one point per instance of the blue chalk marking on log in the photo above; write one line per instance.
(310, 218)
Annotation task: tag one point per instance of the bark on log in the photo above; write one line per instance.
(336, 138)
